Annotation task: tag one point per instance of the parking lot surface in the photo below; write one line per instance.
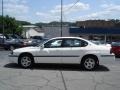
(57, 77)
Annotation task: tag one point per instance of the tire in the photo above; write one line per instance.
(89, 63)
(26, 61)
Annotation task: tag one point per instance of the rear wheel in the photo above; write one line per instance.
(89, 63)
(26, 61)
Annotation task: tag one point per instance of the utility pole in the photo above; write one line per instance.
(61, 16)
(2, 21)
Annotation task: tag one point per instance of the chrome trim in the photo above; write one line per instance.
(107, 55)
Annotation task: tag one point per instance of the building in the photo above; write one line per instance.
(32, 30)
(95, 24)
(96, 30)
(92, 30)
(52, 31)
(107, 34)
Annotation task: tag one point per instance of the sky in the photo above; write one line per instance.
(35, 11)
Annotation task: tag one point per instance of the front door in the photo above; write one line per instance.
(51, 53)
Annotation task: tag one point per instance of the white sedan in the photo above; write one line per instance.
(63, 50)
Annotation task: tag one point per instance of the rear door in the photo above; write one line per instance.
(73, 50)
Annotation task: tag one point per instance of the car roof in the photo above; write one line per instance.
(69, 38)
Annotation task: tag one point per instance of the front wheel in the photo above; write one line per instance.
(89, 63)
(26, 61)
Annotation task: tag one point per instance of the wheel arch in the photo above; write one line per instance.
(25, 53)
(90, 55)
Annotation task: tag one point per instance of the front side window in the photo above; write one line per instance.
(53, 43)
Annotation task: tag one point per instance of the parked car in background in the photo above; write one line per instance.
(35, 40)
(115, 48)
(3, 38)
(12, 44)
(63, 50)
(14, 36)
(100, 42)
(11, 41)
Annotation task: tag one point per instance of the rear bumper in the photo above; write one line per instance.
(106, 59)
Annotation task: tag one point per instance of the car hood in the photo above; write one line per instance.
(27, 49)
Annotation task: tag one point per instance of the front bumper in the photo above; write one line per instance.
(13, 58)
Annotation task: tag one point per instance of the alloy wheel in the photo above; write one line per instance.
(26, 61)
(89, 63)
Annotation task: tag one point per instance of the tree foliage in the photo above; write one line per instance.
(10, 25)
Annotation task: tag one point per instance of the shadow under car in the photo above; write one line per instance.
(62, 67)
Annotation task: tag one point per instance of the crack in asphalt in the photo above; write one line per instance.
(20, 74)
(102, 82)
(63, 80)
(98, 80)
(97, 83)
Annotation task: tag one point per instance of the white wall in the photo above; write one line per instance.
(33, 32)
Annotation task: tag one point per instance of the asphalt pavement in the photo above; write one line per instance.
(57, 77)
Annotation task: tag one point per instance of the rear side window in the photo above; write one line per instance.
(74, 43)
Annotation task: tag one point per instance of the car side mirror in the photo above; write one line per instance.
(42, 47)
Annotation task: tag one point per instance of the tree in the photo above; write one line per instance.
(10, 25)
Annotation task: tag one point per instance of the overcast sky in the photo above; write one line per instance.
(49, 10)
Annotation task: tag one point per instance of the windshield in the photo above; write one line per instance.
(42, 42)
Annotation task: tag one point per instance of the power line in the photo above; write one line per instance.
(73, 5)
(70, 8)
(63, 12)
